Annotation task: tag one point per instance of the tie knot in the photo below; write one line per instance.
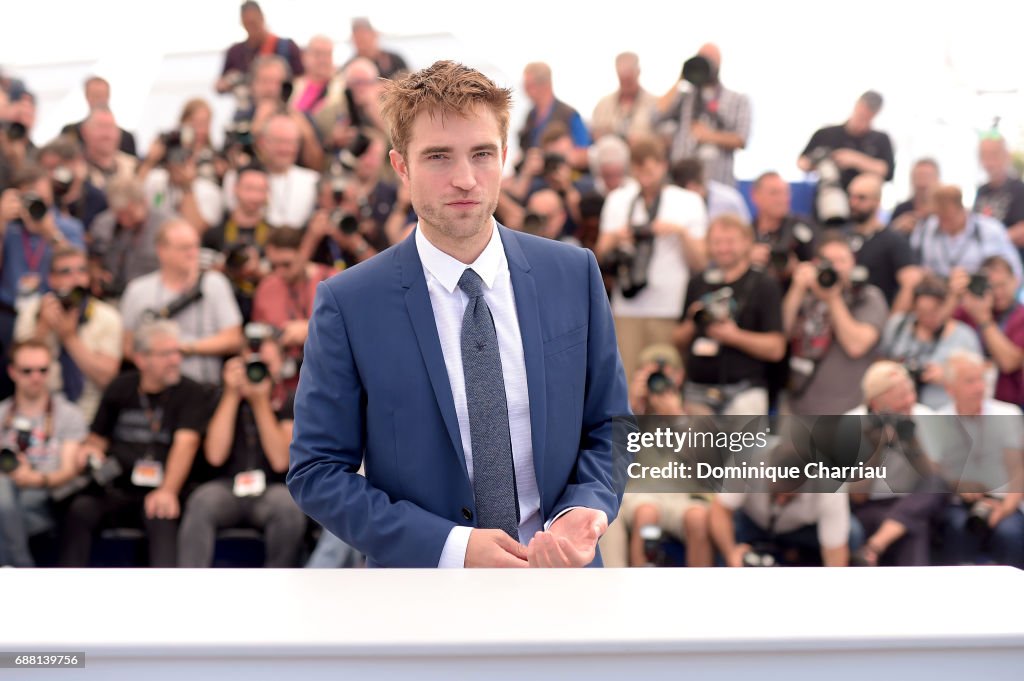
(471, 283)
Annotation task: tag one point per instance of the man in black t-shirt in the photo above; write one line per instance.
(1002, 197)
(149, 422)
(782, 239)
(247, 442)
(854, 146)
(731, 328)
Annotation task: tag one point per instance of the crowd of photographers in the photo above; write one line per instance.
(153, 308)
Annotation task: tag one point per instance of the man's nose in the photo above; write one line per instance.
(462, 174)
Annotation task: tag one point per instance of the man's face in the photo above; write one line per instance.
(370, 163)
(252, 21)
(365, 40)
(131, 215)
(267, 82)
(162, 363)
(251, 191)
(923, 178)
(952, 217)
(534, 88)
(180, 249)
(1004, 287)
(994, 158)
(899, 399)
(727, 245)
(548, 207)
(285, 262)
(279, 145)
(612, 174)
(319, 59)
(452, 168)
(629, 77)
(650, 173)
(861, 118)
(364, 84)
(69, 272)
(23, 111)
(967, 387)
(97, 94)
(928, 311)
(864, 201)
(100, 134)
(772, 197)
(28, 370)
(841, 259)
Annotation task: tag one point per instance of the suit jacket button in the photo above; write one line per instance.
(466, 513)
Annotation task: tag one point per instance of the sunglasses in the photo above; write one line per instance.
(65, 271)
(28, 371)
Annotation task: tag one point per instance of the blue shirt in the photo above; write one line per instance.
(32, 254)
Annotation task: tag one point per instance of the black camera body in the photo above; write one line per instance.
(72, 298)
(552, 162)
(654, 553)
(718, 306)
(15, 130)
(34, 205)
(978, 285)
(8, 460)
(99, 473)
(256, 369)
(977, 519)
(827, 275)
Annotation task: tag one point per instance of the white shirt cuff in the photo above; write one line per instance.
(453, 555)
(547, 525)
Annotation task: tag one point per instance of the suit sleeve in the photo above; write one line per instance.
(327, 449)
(600, 473)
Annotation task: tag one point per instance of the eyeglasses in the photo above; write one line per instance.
(862, 197)
(65, 271)
(280, 265)
(28, 371)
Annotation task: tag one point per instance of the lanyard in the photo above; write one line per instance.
(33, 256)
(298, 302)
(154, 417)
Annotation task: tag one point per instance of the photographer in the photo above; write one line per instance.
(731, 327)
(200, 302)
(984, 451)
(83, 333)
(924, 179)
(30, 229)
(833, 324)
(292, 190)
(765, 529)
(259, 41)
(782, 240)
(923, 338)
(988, 303)
(361, 170)
(546, 216)
(97, 95)
(39, 433)
(146, 434)
(854, 146)
(123, 238)
(17, 118)
(548, 110)
(101, 140)
(339, 232)
(247, 442)
(897, 512)
(73, 193)
(706, 120)
(237, 243)
(652, 238)
(284, 298)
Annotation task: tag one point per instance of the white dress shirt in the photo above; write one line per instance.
(449, 303)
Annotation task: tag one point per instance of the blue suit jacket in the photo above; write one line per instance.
(374, 384)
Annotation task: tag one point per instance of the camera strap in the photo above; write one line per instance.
(651, 208)
(182, 302)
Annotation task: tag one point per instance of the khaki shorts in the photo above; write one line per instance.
(670, 506)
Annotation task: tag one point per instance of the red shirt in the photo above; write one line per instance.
(1009, 387)
(276, 303)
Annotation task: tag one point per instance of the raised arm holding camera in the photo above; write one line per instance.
(247, 442)
(731, 327)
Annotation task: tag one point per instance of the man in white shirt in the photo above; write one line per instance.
(982, 458)
(652, 237)
(292, 188)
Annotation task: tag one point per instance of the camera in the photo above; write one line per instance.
(533, 223)
(698, 72)
(831, 204)
(177, 144)
(552, 162)
(658, 382)
(654, 554)
(15, 131)
(255, 333)
(348, 156)
(61, 180)
(99, 473)
(827, 275)
(35, 205)
(978, 285)
(72, 298)
(717, 307)
(977, 518)
(236, 256)
(23, 440)
(239, 138)
(904, 426)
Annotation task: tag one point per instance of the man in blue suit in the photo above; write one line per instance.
(473, 370)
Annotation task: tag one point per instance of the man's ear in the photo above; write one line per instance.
(400, 166)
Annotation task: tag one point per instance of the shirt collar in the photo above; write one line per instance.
(448, 270)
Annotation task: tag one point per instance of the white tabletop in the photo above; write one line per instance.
(488, 612)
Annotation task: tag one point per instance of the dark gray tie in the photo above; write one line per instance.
(494, 482)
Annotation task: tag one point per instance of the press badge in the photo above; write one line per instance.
(705, 347)
(147, 473)
(250, 484)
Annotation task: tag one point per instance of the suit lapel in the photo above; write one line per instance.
(528, 311)
(421, 313)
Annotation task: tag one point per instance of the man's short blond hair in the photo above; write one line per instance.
(444, 89)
